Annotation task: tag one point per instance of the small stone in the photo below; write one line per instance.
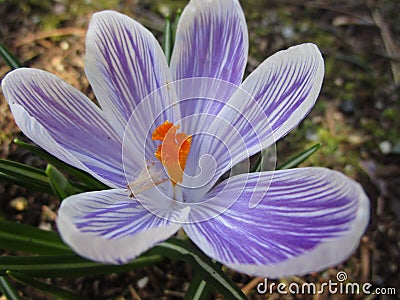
(339, 81)
(59, 8)
(379, 105)
(355, 139)
(64, 45)
(287, 32)
(142, 282)
(347, 106)
(349, 169)
(19, 203)
(45, 226)
(385, 146)
(311, 136)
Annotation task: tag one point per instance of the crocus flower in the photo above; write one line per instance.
(162, 136)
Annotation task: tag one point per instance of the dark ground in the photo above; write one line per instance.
(356, 120)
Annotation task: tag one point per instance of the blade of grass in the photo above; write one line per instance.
(83, 177)
(198, 289)
(8, 289)
(262, 161)
(32, 178)
(24, 175)
(167, 40)
(206, 268)
(56, 292)
(69, 265)
(175, 26)
(299, 158)
(10, 59)
(59, 184)
(16, 237)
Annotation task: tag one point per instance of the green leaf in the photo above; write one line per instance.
(291, 163)
(56, 292)
(24, 175)
(8, 289)
(63, 263)
(198, 289)
(87, 179)
(57, 259)
(69, 265)
(175, 26)
(10, 59)
(262, 161)
(32, 178)
(299, 158)
(167, 41)
(60, 185)
(203, 265)
(17, 237)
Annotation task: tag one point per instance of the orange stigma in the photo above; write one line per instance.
(173, 150)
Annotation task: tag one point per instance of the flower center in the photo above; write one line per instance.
(173, 150)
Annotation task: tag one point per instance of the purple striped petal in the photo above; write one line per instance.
(211, 41)
(124, 64)
(286, 86)
(211, 153)
(63, 121)
(308, 219)
(111, 227)
(280, 93)
(270, 103)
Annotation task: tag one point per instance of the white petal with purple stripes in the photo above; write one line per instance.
(280, 93)
(309, 219)
(270, 103)
(65, 122)
(124, 64)
(109, 226)
(211, 42)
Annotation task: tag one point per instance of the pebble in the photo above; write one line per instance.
(385, 146)
(64, 45)
(142, 282)
(19, 203)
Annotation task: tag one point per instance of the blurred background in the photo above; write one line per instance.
(356, 119)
